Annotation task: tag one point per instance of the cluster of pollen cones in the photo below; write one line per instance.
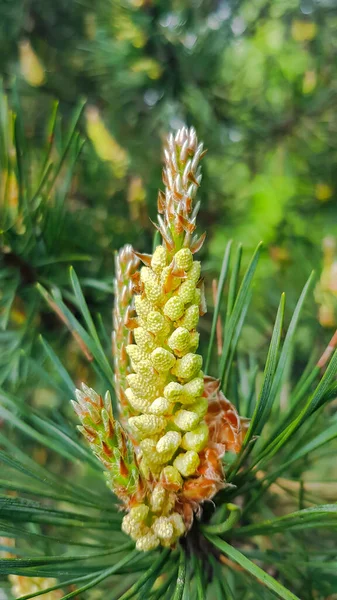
(163, 458)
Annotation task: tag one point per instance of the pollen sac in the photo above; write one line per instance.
(193, 389)
(155, 321)
(170, 478)
(149, 450)
(169, 503)
(173, 391)
(154, 292)
(162, 360)
(184, 259)
(187, 463)
(143, 306)
(146, 275)
(200, 407)
(142, 386)
(163, 334)
(146, 425)
(147, 542)
(190, 318)
(178, 524)
(163, 528)
(186, 291)
(188, 366)
(197, 439)
(197, 296)
(194, 341)
(139, 404)
(143, 367)
(194, 272)
(169, 443)
(133, 527)
(135, 353)
(144, 339)
(174, 308)
(139, 513)
(159, 259)
(160, 406)
(158, 498)
(180, 341)
(186, 420)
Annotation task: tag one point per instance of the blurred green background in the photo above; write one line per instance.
(257, 79)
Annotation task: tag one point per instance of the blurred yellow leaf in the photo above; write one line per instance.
(323, 192)
(303, 31)
(309, 82)
(148, 66)
(107, 148)
(30, 65)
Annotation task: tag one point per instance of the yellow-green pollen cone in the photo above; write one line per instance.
(165, 389)
(158, 373)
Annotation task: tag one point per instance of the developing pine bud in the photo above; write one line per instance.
(146, 275)
(143, 367)
(133, 527)
(152, 457)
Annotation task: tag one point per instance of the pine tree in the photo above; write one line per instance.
(267, 529)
